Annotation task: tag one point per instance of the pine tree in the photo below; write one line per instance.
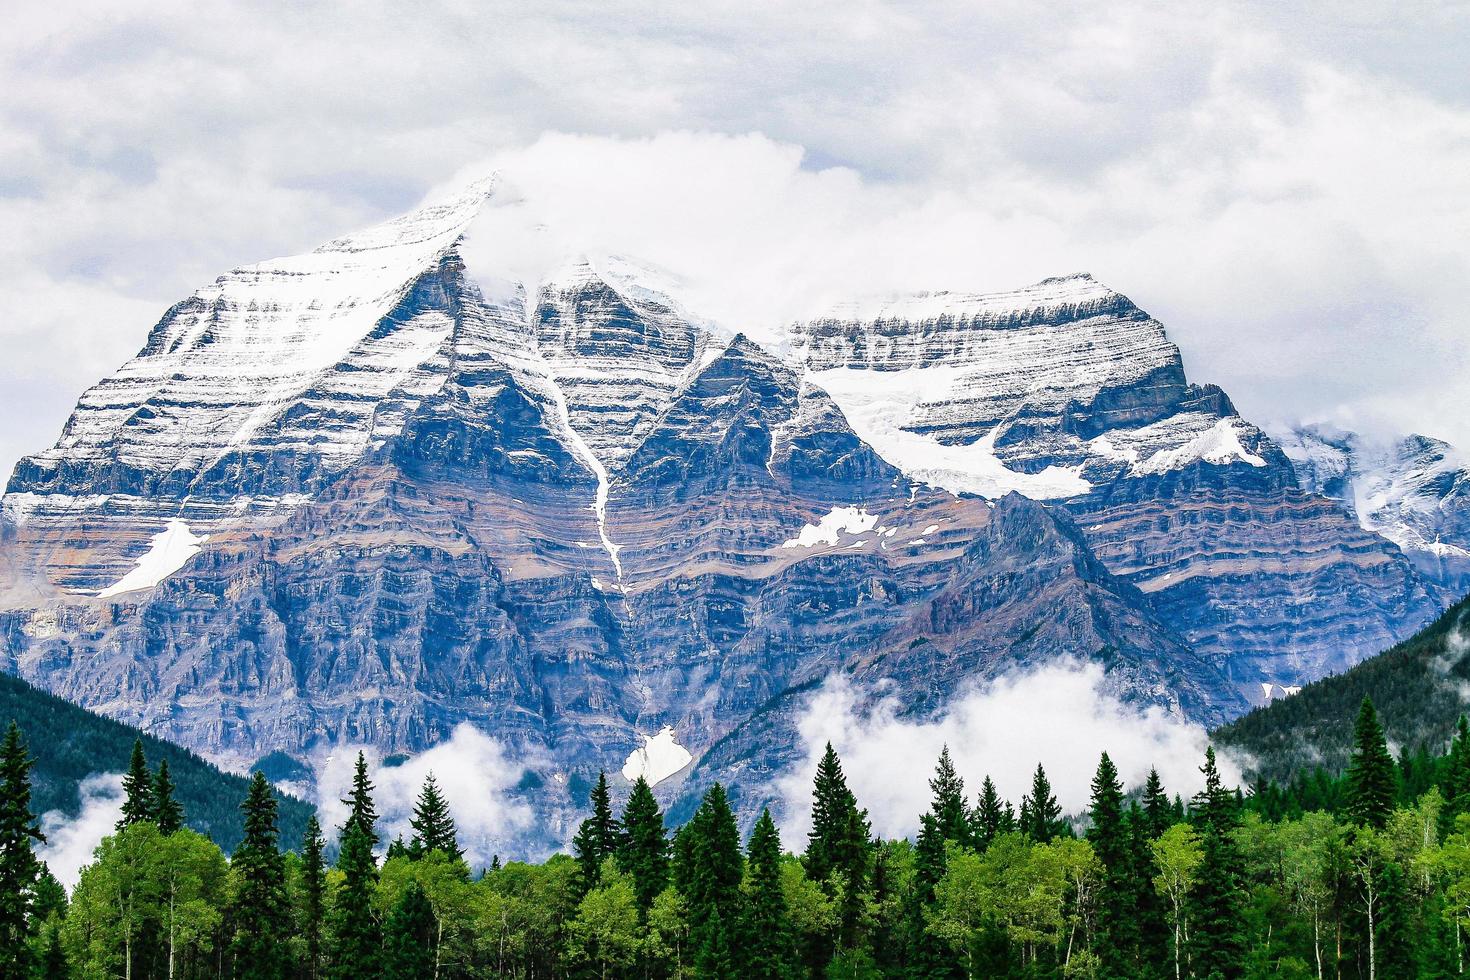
(137, 789)
(259, 909)
(838, 845)
(53, 965)
(1041, 817)
(397, 849)
(991, 817)
(1217, 902)
(598, 837)
(767, 947)
(927, 959)
(314, 890)
(1158, 814)
(948, 805)
(1117, 941)
(644, 852)
(408, 937)
(19, 869)
(433, 825)
(168, 813)
(1372, 780)
(357, 939)
(708, 869)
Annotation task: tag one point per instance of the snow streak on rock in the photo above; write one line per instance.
(660, 757)
(171, 548)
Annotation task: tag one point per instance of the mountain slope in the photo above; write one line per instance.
(69, 744)
(1420, 688)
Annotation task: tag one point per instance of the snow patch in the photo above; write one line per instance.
(852, 520)
(1219, 444)
(660, 757)
(172, 548)
(880, 404)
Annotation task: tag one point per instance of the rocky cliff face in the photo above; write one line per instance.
(360, 496)
(1415, 491)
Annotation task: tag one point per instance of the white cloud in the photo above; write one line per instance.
(70, 841)
(1289, 189)
(474, 773)
(1061, 715)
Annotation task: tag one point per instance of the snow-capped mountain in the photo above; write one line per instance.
(1415, 491)
(365, 495)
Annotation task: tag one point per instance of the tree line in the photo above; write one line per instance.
(1362, 875)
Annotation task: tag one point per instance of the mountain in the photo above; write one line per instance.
(1415, 491)
(1067, 391)
(365, 494)
(1420, 688)
(69, 744)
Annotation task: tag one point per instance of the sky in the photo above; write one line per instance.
(1285, 186)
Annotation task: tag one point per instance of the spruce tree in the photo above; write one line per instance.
(709, 872)
(1217, 901)
(948, 804)
(1372, 780)
(1117, 939)
(259, 909)
(1041, 817)
(19, 868)
(54, 964)
(838, 846)
(432, 823)
(927, 959)
(357, 939)
(644, 852)
(137, 789)
(990, 816)
(1158, 814)
(313, 896)
(168, 813)
(598, 837)
(767, 947)
(408, 937)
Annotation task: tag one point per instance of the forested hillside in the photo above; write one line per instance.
(1420, 688)
(70, 743)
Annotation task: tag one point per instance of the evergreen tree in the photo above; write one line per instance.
(53, 965)
(838, 845)
(1117, 940)
(1158, 813)
(357, 939)
(927, 959)
(168, 813)
(708, 869)
(991, 816)
(1217, 902)
(137, 789)
(313, 896)
(433, 826)
(1372, 780)
(1041, 817)
(408, 937)
(767, 948)
(19, 869)
(598, 837)
(948, 804)
(398, 849)
(644, 853)
(259, 910)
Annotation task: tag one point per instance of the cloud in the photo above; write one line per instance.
(474, 773)
(1061, 715)
(1288, 189)
(70, 841)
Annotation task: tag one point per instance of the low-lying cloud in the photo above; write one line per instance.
(476, 776)
(1061, 714)
(70, 841)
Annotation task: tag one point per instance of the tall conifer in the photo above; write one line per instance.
(137, 789)
(991, 816)
(1217, 901)
(1117, 942)
(357, 938)
(709, 871)
(838, 846)
(19, 868)
(767, 948)
(313, 897)
(259, 910)
(948, 803)
(1372, 779)
(598, 837)
(168, 813)
(644, 852)
(1041, 817)
(433, 825)
(408, 937)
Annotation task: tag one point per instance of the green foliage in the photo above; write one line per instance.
(1041, 817)
(19, 869)
(356, 930)
(167, 812)
(598, 837)
(258, 911)
(433, 826)
(137, 789)
(644, 851)
(767, 948)
(408, 937)
(313, 898)
(70, 743)
(1372, 780)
